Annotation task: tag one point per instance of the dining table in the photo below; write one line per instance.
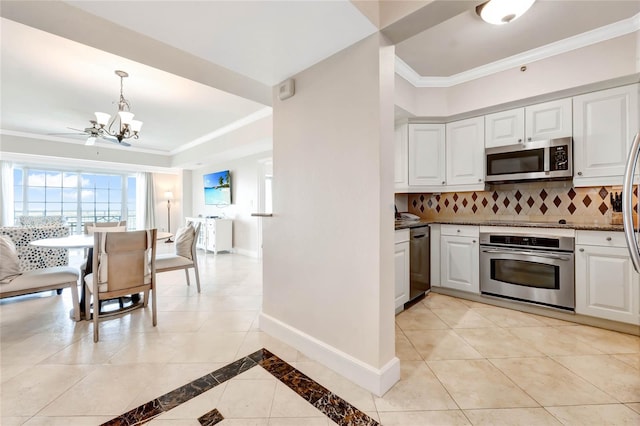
(86, 241)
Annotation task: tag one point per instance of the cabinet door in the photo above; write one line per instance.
(401, 275)
(606, 284)
(211, 235)
(504, 128)
(465, 152)
(460, 264)
(426, 154)
(401, 145)
(548, 120)
(604, 124)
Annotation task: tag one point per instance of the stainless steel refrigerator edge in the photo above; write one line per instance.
(631, 229)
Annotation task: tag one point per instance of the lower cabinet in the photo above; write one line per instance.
(607, 286)
(215, 234)
(460, 258)
(401, 268)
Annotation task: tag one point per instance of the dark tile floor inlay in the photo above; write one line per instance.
(211, 418)
(330, 404)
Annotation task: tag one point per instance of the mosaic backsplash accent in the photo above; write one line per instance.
(535, 202)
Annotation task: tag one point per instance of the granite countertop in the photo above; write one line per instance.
(404, 224)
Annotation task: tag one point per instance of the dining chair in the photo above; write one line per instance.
(123, 264)
(184, 256)
(89, 229)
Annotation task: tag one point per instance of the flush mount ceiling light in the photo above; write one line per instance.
(122, 125)
(500, 12)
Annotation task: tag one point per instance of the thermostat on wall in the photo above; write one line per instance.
(286, 89)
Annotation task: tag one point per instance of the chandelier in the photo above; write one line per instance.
(122, 125)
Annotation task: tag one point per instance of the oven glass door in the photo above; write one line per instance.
(526, 273)
(544, 277)
(516, 162)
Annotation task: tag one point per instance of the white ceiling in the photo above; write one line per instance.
(50, 83)
(466, 42)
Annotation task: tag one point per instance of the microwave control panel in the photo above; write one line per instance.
(559, 157)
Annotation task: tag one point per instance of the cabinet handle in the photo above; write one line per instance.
(474, 241)
(443, 182)
(608, 238)
(519, 140)
(458, 230)
(579, 173)
(529, 139)
(581, 249)
(479, 180)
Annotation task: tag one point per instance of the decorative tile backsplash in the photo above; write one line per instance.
(535, 202)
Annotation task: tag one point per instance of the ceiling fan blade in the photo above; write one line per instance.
(67, 134)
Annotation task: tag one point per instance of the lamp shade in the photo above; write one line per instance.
(125, 117)
(136, 125)
(102, 118)
(500, 12)
(168, 195)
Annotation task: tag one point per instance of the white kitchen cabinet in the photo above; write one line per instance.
(401, 146)
(504, 128)
(402, 269)
(465, 154)
(460, 258)
(607, 286)
(547, 120)
(427, 156)
(215, 234)
(434, 234)
(605, 123)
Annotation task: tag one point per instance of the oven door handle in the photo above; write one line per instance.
(529, 253)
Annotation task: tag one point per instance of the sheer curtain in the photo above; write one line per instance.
(6, 194)
(145, 201)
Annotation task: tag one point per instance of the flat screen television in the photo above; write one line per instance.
(217, 188)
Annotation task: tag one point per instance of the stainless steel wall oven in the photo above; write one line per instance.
(530, 268)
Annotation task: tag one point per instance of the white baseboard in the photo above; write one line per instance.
(245, 252)
(376, 381)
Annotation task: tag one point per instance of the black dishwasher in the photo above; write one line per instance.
(420, 258)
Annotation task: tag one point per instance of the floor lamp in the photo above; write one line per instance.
(168, 195)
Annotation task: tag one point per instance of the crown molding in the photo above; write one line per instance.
(598, 35)
(245, 121)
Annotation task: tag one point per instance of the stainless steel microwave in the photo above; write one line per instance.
(544, 160)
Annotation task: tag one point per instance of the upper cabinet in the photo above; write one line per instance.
(427, 156)
(548, 120)
(465, 154)
(401, 146)
(605, 123)
(504, 128)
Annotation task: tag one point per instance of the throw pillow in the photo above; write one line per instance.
(184, 239)
(9, 267)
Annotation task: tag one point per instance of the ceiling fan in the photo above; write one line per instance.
(93, 134)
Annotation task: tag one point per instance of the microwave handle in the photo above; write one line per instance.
(547, 160)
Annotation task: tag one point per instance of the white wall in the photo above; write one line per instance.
(244, 198)
(602, 61)
(328, 249)
(163, 182)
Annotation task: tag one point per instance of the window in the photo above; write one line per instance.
(78, 196)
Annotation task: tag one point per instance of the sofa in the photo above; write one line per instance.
(30, 257)
(36, 269)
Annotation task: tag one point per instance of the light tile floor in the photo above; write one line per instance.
(462, 362)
